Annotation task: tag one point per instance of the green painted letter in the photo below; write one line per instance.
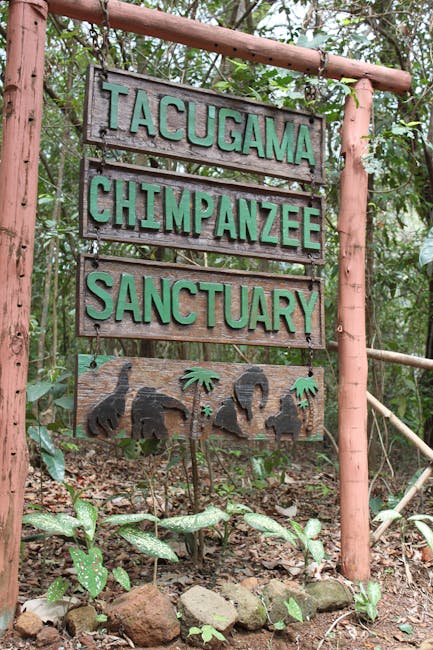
(243, 307)
(149, 222)
(307, 308)
(288, 224)
(211, 288)
(203, 209)
(303, 146)
(281, 150)
(115, 91)
(235, 142)
(160, 300)
(247, 219)
(311, 227)
(225, 221)
(283, 311)
(180, 285)
(177, 216)
(105, 185)
(166, 101)
(128, 292)
(142, 115)
(253, 137)
(104, 296)
(125, 203)
(259, 312)
(208, 139)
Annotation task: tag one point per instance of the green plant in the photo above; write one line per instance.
(419, 521)
(88, 561)
(207, 633)
(305, 538)
(367, 599)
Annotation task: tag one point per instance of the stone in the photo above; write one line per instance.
(251, 611)
(48, 636)
(146, 615)
(81, 619)
(427, 644)
(28, 624)
(277, 593)
(330, 595)
(250, 583)
(199, 606)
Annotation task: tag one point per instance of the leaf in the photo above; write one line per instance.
(147, 544)
(207, 633)
(420, 518)
(194, 630)
(121, 576)
(55, 464)
(191, 523)
(371, 611)
(373, 592)
(406, 628)
(237, 508)
(426, 250)
(266, 524)
(57, 589)
(385, 515)
(91, 573)
(41, 436)
(279, 625)
(312, 528)
(66, 402)
(294, 610)
(38, 390)
(87, 515)
(316, 550)
(132, 518)
(60, 524)
(426, 532)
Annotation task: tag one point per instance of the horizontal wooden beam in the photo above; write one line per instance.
(393, 357)
(229, 42)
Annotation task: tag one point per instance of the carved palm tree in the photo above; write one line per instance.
(306, 388)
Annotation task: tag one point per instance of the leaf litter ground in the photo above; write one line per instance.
(305, 486)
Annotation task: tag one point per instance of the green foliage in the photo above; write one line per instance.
(294, 610)
(207, 633)
(91, 572)
(418, 520)
(147, 544)
(367, 599)
(57, 589)
(192, 523)
(121, 576)
(298, 536)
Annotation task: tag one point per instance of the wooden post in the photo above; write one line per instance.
(22, 115)
(352, 385)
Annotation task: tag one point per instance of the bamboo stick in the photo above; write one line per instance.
(229, 42)
(416, 487)
(393, 357)
(400, 426)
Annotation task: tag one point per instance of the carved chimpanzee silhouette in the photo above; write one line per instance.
(147, 413)
(226, 418)
(106, 414)
(287, 420)
(244, 389)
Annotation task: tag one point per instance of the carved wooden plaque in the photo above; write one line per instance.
(129, 111)
(154, 398)
(147, 206)
(141, 299)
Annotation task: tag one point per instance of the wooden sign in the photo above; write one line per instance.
(146, 206)
(148, 399)
(139, 299)
(137, 113)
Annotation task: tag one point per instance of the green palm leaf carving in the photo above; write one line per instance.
(304, 386)
(201, 376)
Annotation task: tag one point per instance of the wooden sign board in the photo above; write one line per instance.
(137, 113)
(140, 299)
(149, 398)
(146, 206)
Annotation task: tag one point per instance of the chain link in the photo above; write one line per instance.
(96, 344)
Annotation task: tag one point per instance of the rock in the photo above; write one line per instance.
(427, 644)
(81, 619)
(251, 611)
(250, 583)
(28, 624)
(50, 612)
(200, 606)
(277, 593)
(330, 595)
(48, 636)
(145, 615)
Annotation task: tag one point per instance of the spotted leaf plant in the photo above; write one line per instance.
(86, 556)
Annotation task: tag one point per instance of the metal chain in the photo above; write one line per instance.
(313, 92)
(96, 344)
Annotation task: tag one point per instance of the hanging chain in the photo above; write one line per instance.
(96, 345)
(313, 92)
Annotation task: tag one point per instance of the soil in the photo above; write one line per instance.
(298, 482)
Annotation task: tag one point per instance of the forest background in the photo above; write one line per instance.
(400, 163)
